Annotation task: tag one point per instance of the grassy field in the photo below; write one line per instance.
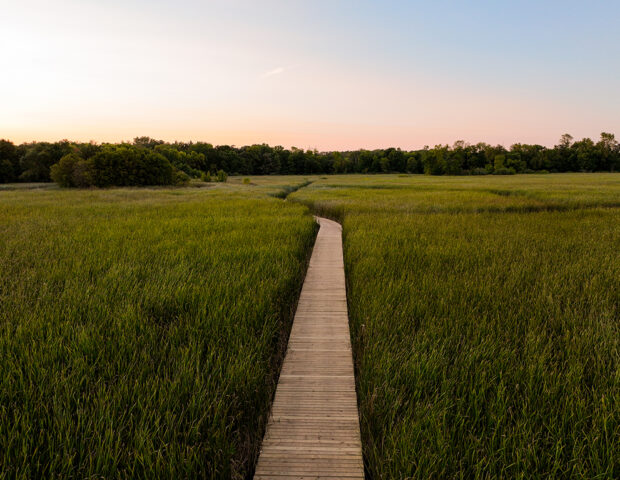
(410, 194)
(485, 322)
(141, 329)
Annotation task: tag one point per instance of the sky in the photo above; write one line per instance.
(312, 74)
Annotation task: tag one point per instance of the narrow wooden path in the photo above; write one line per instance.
(313, 431)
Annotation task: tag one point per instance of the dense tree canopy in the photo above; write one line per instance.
(147, 161)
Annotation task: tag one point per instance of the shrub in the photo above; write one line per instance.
(125, 165)
(246, 181)
(189, 162)
(83, 174)
(193, 173)
(62, 172)
(221, 176)
(181, 178)
(504, 171)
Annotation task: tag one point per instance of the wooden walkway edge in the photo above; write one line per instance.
(313, 430)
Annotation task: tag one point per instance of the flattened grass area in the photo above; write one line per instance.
(141, 329)
(485, 322)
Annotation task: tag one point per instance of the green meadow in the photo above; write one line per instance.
(142, 329)
(485, 322)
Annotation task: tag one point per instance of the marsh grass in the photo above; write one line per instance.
(141, 330)
(485, 322)
(419, 194)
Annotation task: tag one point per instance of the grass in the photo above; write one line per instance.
(417, 194)
(141, 329)
(485, 322)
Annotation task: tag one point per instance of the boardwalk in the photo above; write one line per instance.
(313, 431)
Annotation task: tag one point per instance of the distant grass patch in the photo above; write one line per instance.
(140, 329)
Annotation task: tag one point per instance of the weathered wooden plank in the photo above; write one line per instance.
(313, 431)
(286, 476)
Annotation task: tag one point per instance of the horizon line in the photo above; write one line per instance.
(291, 146)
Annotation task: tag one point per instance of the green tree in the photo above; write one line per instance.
(564, 154)
(586, 155)
(513, 161)
(9, 162)
(609, 152)
(338, 163)
(434, 160)
(39, 157)
(147, 142)
(396, 160)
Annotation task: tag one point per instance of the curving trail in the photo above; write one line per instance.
(313, 431)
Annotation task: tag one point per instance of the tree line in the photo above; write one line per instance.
(147, 161)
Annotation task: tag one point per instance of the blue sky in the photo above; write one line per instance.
(317, 74)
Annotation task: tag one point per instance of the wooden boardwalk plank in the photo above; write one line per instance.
(313, 430)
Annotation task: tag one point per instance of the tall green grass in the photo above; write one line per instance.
(141, 329)
(485, 322)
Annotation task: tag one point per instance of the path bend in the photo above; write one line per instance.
(313, 430)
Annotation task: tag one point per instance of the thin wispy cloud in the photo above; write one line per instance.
(275, 71)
